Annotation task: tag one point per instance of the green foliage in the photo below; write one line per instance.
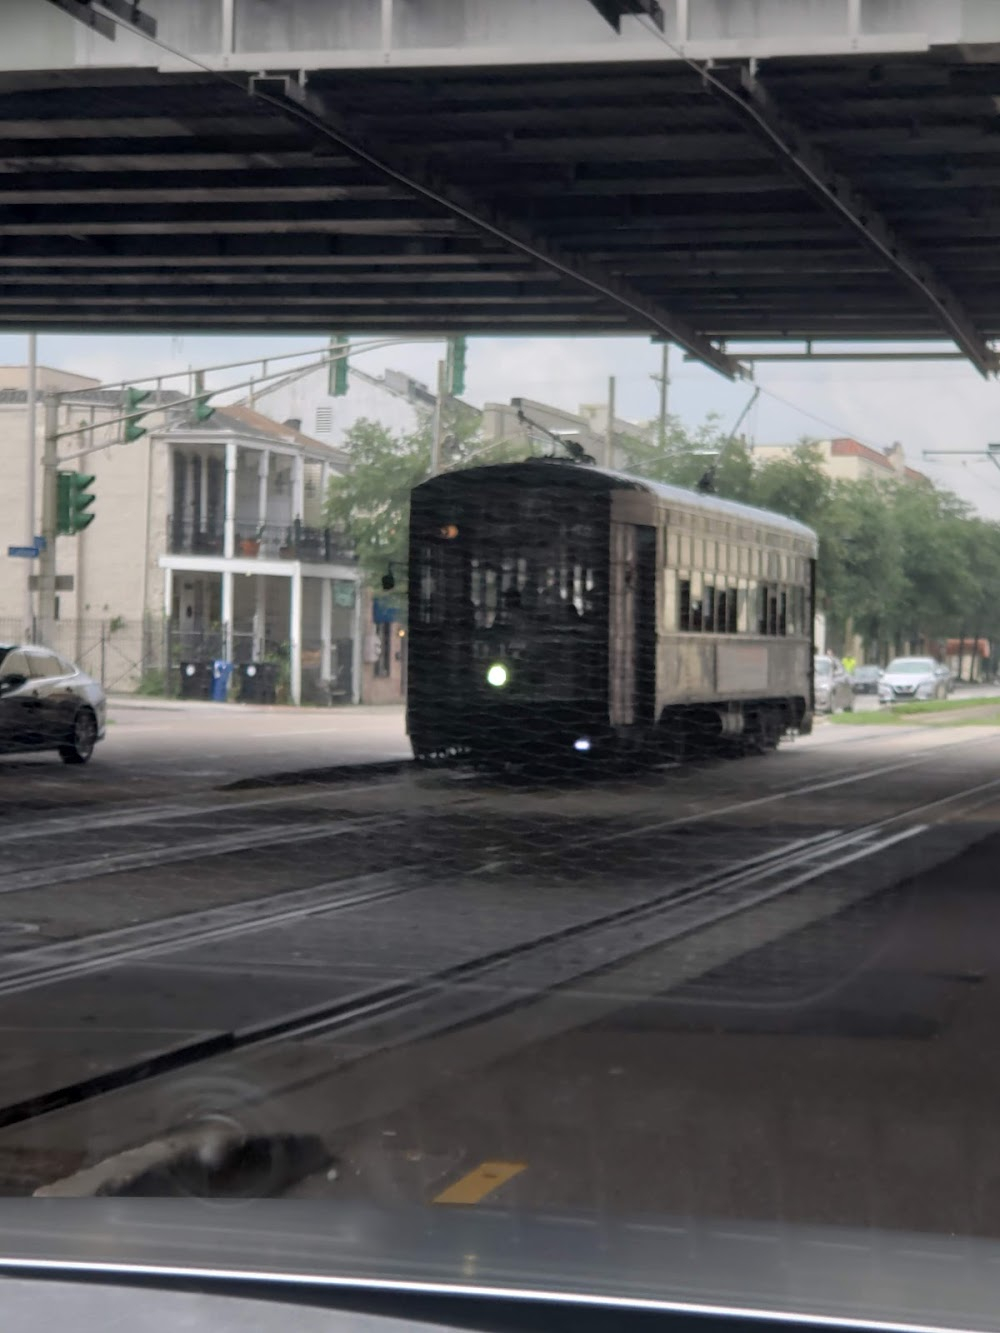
(153, 683)
(371, 502)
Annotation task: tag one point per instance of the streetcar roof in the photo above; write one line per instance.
(590, 473)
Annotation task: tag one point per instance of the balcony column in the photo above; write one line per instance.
(260, 618)
(298, 488)
(203, 494)
(325, 628)
(263, 475)
(295, 636)
(227, 615)
(229, 523)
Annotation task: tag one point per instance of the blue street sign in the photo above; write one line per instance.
(23, 552)
(40, 543)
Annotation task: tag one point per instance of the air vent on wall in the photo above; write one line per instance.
(324, 420)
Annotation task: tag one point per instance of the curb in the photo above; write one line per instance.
(199, 1163)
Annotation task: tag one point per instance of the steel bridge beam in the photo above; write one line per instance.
(306, 107)
(810, 166)
(612, 11)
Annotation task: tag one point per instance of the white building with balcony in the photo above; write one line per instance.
(251, 572)
(208, 543)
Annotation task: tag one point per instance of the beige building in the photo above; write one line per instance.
(850, 460)
(208, 543)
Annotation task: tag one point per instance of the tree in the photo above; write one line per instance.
(690, 457)
(371, 501)
(796, 485)
(860, 574)
(939, 586)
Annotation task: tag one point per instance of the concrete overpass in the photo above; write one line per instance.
(817, 169)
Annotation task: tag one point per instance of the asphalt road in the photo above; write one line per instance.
(159, 747)
(757, 989)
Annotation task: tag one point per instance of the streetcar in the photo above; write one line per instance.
(560, 609)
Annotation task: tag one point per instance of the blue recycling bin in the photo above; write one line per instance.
(221, 672)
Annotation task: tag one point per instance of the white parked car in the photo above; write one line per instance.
(909, 678)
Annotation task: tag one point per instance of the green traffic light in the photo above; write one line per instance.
(337, 369)
(73, 499)
(133, 397)
(456, 365)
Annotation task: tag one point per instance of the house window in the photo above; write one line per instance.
(324, 420)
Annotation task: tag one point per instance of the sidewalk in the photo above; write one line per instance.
(209, 706)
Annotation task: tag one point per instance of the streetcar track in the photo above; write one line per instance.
(749, 884)
(86, 821)
(348, 1014)
(98, 867)
(51, 963)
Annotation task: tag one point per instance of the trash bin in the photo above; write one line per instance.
(221, 671)
(196, 680)
(258, 682)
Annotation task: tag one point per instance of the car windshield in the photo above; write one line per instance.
(467, 449)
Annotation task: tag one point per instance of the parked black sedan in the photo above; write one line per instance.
(47, 703)
(865, 679)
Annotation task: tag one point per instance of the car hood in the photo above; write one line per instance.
(908, 678)
(379, 1259)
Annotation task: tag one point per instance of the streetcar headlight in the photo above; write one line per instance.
(497, 676)
(583, 744)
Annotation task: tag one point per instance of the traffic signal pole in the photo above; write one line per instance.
(50, 493)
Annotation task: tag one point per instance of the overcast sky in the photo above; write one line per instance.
(924, 405)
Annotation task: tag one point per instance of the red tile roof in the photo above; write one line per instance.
(845, 447)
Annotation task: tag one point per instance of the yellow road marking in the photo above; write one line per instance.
(487, 1177)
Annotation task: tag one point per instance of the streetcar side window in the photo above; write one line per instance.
(708, 609)
(427, 585)
(732, 621)
(684, 604)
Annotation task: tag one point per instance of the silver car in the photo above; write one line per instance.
(907, 679)
(47, 703)
(832, 686)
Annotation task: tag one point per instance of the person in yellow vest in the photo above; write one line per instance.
(849, 664)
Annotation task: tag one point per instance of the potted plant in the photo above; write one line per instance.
(250, 546)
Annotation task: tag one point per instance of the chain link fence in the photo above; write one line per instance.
(159, 659)
(126, 657)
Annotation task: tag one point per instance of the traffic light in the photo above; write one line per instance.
(456, 366)
(133, 397)
(337, 369)
(200, 409)
(74, 498)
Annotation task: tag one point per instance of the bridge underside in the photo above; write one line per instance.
(831, 197)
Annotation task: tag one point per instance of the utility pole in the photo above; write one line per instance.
(664, 381)
(29, 498)
(50, 489)
(609, 433)
(437, 428)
